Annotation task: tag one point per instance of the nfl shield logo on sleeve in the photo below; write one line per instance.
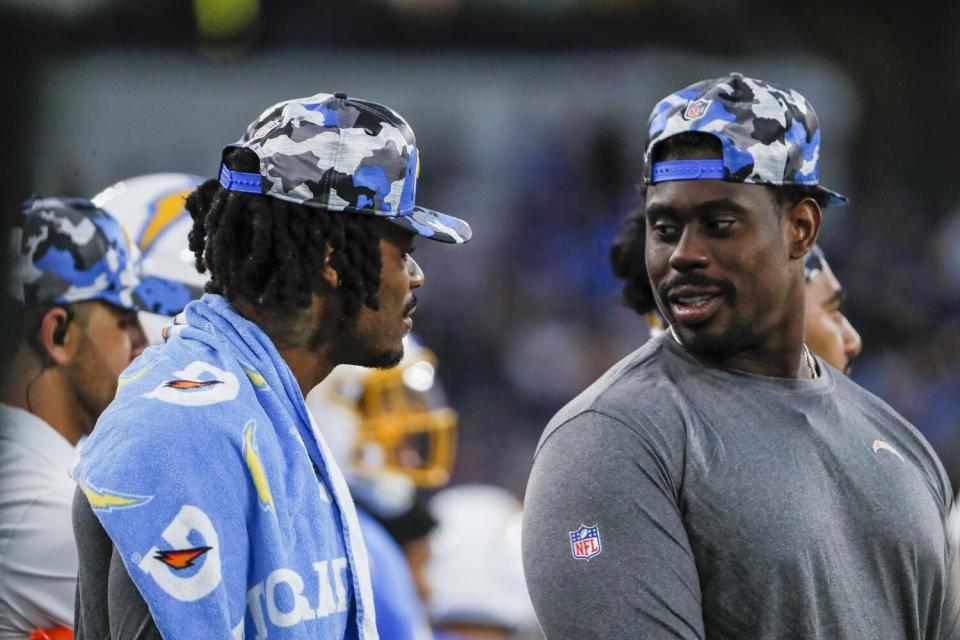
(585, 542)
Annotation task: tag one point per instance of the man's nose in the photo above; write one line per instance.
(852, 343)
(690, 251)
(138, 340)
(415, 273)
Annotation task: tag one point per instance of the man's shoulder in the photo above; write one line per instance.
(638, 390)
(178, 377)
(168, 402)
(897, 429)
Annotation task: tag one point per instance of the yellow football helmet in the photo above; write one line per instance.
(390, 430)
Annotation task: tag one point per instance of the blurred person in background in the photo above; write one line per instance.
(74, 278)
(477, 591)
(722, 455)
(827, 331)
(152, 208)
(411, 530)
(391, 432)
(210, 504)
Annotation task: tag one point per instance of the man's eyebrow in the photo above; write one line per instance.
(710, 206)
(660, 210)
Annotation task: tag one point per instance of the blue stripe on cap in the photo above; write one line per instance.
(687, 170)
(239, 181)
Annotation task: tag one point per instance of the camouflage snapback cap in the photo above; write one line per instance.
(340, 153)
(813, 263)
(769, 135)
(65, 250)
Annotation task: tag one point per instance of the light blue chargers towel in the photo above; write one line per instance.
(220, 494)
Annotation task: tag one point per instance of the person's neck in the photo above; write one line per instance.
(308, 367)
(49, 398)
(785, 362)
(781, 355)
(306, 355)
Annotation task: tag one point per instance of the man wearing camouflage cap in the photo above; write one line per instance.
(722, 482)
(826, 330)
(73, 276)
(211, 506)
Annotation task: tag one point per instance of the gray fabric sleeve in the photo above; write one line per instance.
(595, 470)
(108, 603)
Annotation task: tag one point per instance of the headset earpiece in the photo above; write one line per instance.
(59, 334)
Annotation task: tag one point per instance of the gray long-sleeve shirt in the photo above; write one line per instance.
(734, 506)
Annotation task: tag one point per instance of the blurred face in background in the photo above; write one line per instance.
(102, 341)
(827, 331)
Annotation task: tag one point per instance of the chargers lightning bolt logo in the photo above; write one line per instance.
(106, 500)
(255, 466)
(126, 379)
(880, 444)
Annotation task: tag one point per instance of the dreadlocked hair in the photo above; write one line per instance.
(628, 263)
(270, 252)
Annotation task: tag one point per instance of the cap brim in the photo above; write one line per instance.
(834, 199)
(161, 296)
(434, 225)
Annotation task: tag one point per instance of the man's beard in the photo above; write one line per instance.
(93, 387)
(382, 359)
(738, 336)
(706, 346)
(362, 354)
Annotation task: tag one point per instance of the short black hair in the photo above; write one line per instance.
(627, 251)
(271, 252)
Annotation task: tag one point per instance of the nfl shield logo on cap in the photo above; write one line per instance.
(696, 109)
(585, 542)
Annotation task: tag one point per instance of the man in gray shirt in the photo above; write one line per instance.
(721, 482)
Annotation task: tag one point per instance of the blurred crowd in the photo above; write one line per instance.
(540, 150)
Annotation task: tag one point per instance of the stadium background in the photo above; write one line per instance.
(530, 117)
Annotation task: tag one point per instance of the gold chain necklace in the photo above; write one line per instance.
(807, 356)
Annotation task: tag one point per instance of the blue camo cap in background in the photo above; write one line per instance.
(813, 264)
(65, 250)
(339, 153)
(769, 135)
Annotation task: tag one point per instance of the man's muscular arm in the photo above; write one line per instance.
(595, 470)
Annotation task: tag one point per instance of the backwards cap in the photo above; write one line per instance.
(339, 153)
(769, 135)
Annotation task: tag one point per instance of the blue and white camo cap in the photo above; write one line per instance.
(813, 264)
(65, 250)
(769, 135)
(339, 153)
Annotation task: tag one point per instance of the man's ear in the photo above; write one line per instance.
(52, 335)
(330, 275)
(803, 227)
